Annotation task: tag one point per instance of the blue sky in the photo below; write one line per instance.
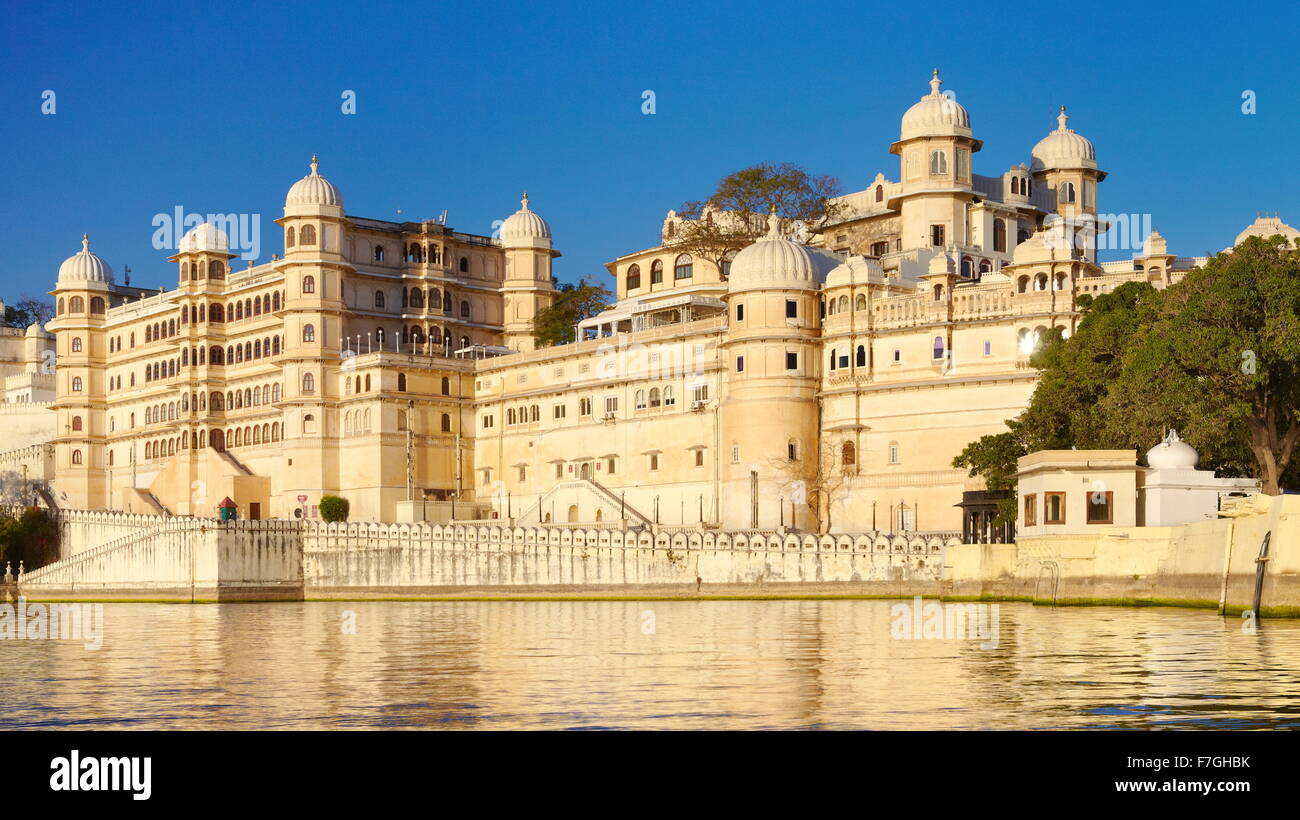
(217, 108)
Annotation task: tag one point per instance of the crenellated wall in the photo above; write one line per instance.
(376, 557)
(118, 555)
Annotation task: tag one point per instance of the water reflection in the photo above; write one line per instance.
(661, 664)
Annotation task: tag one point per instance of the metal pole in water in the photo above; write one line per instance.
(1261, 563)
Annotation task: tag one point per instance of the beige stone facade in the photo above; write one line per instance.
(821, 384)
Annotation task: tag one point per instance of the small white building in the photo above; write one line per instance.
(1062, 492)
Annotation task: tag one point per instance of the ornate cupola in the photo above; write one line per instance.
(528, 287)
(203, 255)
(1065, 163)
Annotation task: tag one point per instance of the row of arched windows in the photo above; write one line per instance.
(202, 269)
(655, 398)
(307, 236)
(1040, 282)
(77, 304)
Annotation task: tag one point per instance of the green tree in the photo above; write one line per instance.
(334, 508)
(31, 537)
(735, 214)
(28, 310)
(555, 324)
(994, 457)
(1216, 356)
(1221, 360)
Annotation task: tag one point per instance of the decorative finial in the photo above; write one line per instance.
(934, 83)
(773, 224)
(314, 164)
(1062, 119)
(85, 243)
(524, 201)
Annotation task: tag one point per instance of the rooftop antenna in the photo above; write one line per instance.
(126, 272)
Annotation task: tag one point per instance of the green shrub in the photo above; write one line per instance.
(32, 537)
(333, 508)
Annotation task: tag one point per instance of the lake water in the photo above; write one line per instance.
(649, 665)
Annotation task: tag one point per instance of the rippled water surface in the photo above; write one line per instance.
(648, 665)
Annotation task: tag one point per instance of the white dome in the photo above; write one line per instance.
(204, 237)
(35, 331)
(314, 189)
(1172, 454)
(525, 229)
(85, 266)
(1063, 148)
(936, 115)
(1266, 227)
(776, 262)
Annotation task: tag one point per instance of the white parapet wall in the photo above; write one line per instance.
(118, 555)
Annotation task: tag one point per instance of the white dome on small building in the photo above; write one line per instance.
(776, 262)
(1266, 227)
(204, 237)
(525, 229)
(85, 267)
(35, 331)
(1063, 148)
(1172, 454)
(314, 190)
(936, 115)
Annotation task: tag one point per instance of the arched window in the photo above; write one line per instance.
(938, 293)
(634, 277)
(76, 305)
(656, 272)
(1022, 284)
(999, 236)
(309, 333)
(446, 423)
(464, 309)
(654, 397)
(76, 384)
(860, 358)
(76, 456)
(96, 304)
(308, 234)
(275, 300)
(76, 344)
(309, 284)
(59, 311)
(880, 193)
(288, 237)
(308, 383)
(464, 264)
(76, 423)
(1065, 194)
(938, 162)
(1040, 282)
(727, 259)
(417, 297)
(985, 266)
(938, 347)
(684, 267)
(379, 298)
(217, 271)
(640, 399)
(967, 267)
(401, 382)
(446, 386)
(848, 454)
(379, 253)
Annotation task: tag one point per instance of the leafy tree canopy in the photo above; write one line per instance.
(555, 324)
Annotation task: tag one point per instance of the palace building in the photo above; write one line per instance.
(821, 381)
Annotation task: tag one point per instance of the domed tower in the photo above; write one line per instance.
(769, 418)
(528, 286)
(934, 149)
(203, 254)
(313, 270)
(81, 301)
(1065, 163)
